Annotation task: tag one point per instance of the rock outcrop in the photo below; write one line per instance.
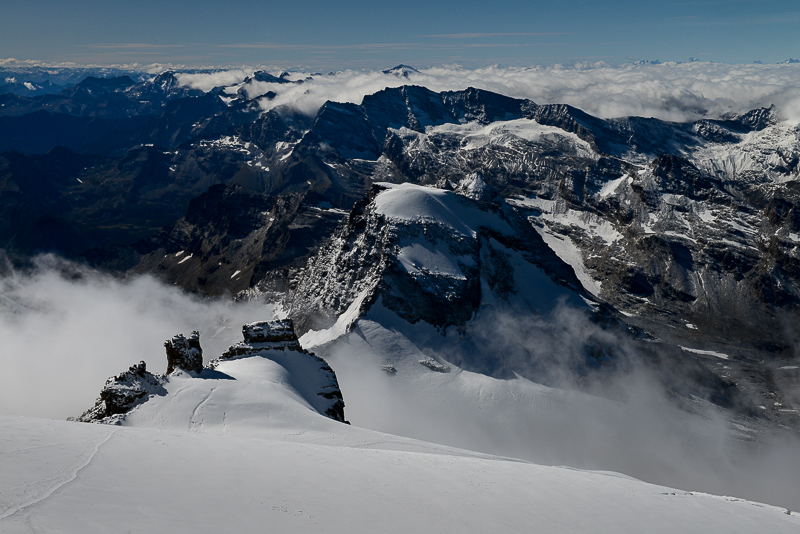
(184, 353)
(308, 375)
(261, 336)
(121, 393)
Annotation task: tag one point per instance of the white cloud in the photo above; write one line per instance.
(63, 336)
(206, 81)
(667, 91)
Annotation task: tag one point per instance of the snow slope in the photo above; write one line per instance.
(81, 478)
(413, 204)
(240, 447)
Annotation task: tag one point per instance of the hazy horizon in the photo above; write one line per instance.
(313, 34)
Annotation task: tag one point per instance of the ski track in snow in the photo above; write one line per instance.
(48, 493)
(193, 422)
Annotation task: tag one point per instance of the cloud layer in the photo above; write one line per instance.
(65, 330)
(667, 91)
(631, 423)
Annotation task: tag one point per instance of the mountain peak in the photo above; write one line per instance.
(475, 187)
(401, 71)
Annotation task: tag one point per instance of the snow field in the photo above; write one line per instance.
(146, 480)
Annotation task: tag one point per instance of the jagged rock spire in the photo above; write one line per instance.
(121, 393)
(183, 353)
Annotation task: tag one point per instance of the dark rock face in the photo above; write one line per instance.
(231, 238)
(264, 335)
(121, 393)
(269, 332)
(184, 353)
(112, 115)
(85, 207)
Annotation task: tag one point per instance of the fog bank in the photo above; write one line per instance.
(65, 329)
(669, 91)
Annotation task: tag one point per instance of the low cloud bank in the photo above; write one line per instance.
(622, 416)
(669, 91)
(207, 81)
(66, 329)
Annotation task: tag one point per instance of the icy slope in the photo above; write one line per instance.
(80, 478)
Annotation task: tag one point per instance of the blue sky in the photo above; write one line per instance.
(321, 34)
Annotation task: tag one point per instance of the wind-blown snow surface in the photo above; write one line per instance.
(237, 449)
(78, 478)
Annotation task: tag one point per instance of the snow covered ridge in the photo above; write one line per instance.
(273, 340)
(429, 254)
(277, 340)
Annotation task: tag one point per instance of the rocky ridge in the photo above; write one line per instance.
(274, 340)
(428, 254)
(123, 392)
